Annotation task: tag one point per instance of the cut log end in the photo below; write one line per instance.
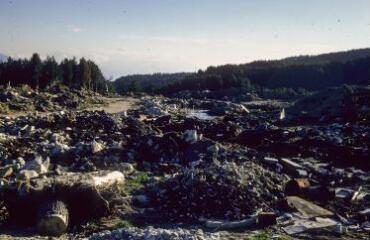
(45, 200)
(53, 225)
(53, 219)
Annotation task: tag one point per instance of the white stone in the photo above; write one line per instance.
(96, 147)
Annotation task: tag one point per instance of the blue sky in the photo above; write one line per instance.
(145, 36)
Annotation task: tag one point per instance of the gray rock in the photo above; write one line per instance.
(58, 148)
(27, 174)
(155, 111)
(191, 136)
(96, 147)
(141, 200)
(127, 168)
(150, 233)
(40, 165)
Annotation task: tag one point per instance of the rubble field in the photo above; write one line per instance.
(175, 168)
(23, 100)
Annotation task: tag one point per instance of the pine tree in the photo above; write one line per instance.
(50, 72)
(134, 86)
(67, 70)
(36, 70)
(84, 73)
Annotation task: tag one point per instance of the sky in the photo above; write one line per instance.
(147, 36)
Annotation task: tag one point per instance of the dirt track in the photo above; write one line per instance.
(113, 105)
(116, 105)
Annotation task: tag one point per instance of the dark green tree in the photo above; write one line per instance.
(50, 73)
(36, 70)
(84, 74)
(134, 86)
(67, 67)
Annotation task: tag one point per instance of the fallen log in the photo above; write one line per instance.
(54, 203)
(228, 225)
(262, 219)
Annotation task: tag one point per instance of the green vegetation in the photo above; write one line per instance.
(146, 82)
(286, 78)
(266, 236)
(259, 236)
(136, 182)
(40, 74)
(276, 77)
(123, 224)
(4, 108)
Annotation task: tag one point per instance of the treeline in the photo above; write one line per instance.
(342, 57)
(146, 82)
(271, 75)
(287, 77)
(41, 74)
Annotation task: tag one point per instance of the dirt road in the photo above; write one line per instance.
(117, 105)
(113, 105)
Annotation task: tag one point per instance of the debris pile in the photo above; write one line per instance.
(27, 99)
(251, 166)
(340, 104)
(218, 191)
(155, 234)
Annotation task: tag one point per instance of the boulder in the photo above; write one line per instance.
(38, 164)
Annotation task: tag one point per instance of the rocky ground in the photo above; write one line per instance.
(23, 100)
(200, 169)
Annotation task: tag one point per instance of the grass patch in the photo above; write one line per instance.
(108, 224)
(259, 236)
(137, 181)
(4, 108)
(123, 224)
(266, 236)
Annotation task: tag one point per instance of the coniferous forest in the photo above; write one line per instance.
(42, 74)
(287, 77)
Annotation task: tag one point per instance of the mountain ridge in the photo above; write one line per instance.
(328, 69)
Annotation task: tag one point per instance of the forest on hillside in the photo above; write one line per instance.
(289, 76)
(147, 82)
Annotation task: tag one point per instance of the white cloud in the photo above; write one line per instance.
(75, 29)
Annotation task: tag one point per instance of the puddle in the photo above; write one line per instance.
(200, 114)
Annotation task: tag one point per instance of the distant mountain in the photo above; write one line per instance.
(3, 57)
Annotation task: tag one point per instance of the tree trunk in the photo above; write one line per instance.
(55, 202)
